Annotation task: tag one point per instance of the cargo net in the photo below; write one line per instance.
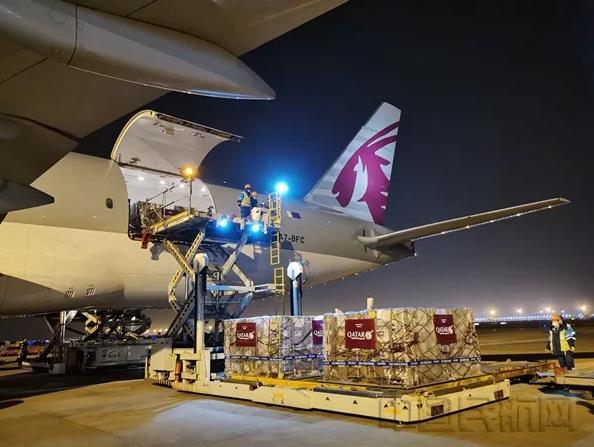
(411, 349)
(272, 346)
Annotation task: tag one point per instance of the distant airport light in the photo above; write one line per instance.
(492, 312)
(281, 188)
(583, 308)
(520, 311)
(548, 309)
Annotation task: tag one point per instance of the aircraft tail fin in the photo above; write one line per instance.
(357, 183)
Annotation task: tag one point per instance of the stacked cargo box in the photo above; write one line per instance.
(405, 347)
(273, 346)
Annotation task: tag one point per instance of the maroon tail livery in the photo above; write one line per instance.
(358, 182)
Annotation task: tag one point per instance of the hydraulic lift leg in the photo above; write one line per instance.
(200, 269)
(295, 274)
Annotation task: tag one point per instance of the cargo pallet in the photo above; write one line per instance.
(188, 371)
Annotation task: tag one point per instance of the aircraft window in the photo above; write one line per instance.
(109, 203)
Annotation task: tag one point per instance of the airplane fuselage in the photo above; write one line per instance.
(76, 252)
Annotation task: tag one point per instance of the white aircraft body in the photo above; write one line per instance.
(82, 251)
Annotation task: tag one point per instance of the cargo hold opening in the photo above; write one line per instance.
(160, 158)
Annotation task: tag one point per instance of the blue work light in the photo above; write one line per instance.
(281, 188)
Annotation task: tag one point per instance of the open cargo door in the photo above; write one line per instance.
(154, 152)
(153, 141)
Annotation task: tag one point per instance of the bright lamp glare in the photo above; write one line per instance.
(281, 188)
(222, 222)
(255, 227)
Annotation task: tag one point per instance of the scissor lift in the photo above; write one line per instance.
(190, 232)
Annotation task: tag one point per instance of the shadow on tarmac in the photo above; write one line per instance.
(10, 403)
(27, 384)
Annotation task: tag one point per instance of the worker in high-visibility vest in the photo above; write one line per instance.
(23, 352)
(244, 201)
(561, 342)
(256, 212)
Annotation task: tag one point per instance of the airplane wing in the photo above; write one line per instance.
(62, 67)
(460, 223)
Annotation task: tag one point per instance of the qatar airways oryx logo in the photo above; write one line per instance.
(245, 334)
(366, 175)
(444, 329)
(360, 333)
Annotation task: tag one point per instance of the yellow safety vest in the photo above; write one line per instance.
(245, 199)
(562, 341)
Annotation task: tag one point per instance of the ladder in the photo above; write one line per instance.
(278, 272)
(274, 208)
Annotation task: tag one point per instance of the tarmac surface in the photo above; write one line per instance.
(515, 338)
(37, 410)
(114, 408)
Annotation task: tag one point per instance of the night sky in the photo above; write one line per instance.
(497, 110)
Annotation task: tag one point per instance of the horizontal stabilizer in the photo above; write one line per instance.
(14, 196)
(460, 223)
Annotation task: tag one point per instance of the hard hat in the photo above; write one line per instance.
(247, 186)
(557, 318)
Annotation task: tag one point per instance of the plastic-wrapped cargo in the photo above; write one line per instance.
(273, 346)
(405, 347)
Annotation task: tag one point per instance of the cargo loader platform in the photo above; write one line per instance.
(187, 371)
(517, 370)
(183, 227)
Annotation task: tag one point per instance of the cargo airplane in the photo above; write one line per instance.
(77, 252)
(65, 229)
